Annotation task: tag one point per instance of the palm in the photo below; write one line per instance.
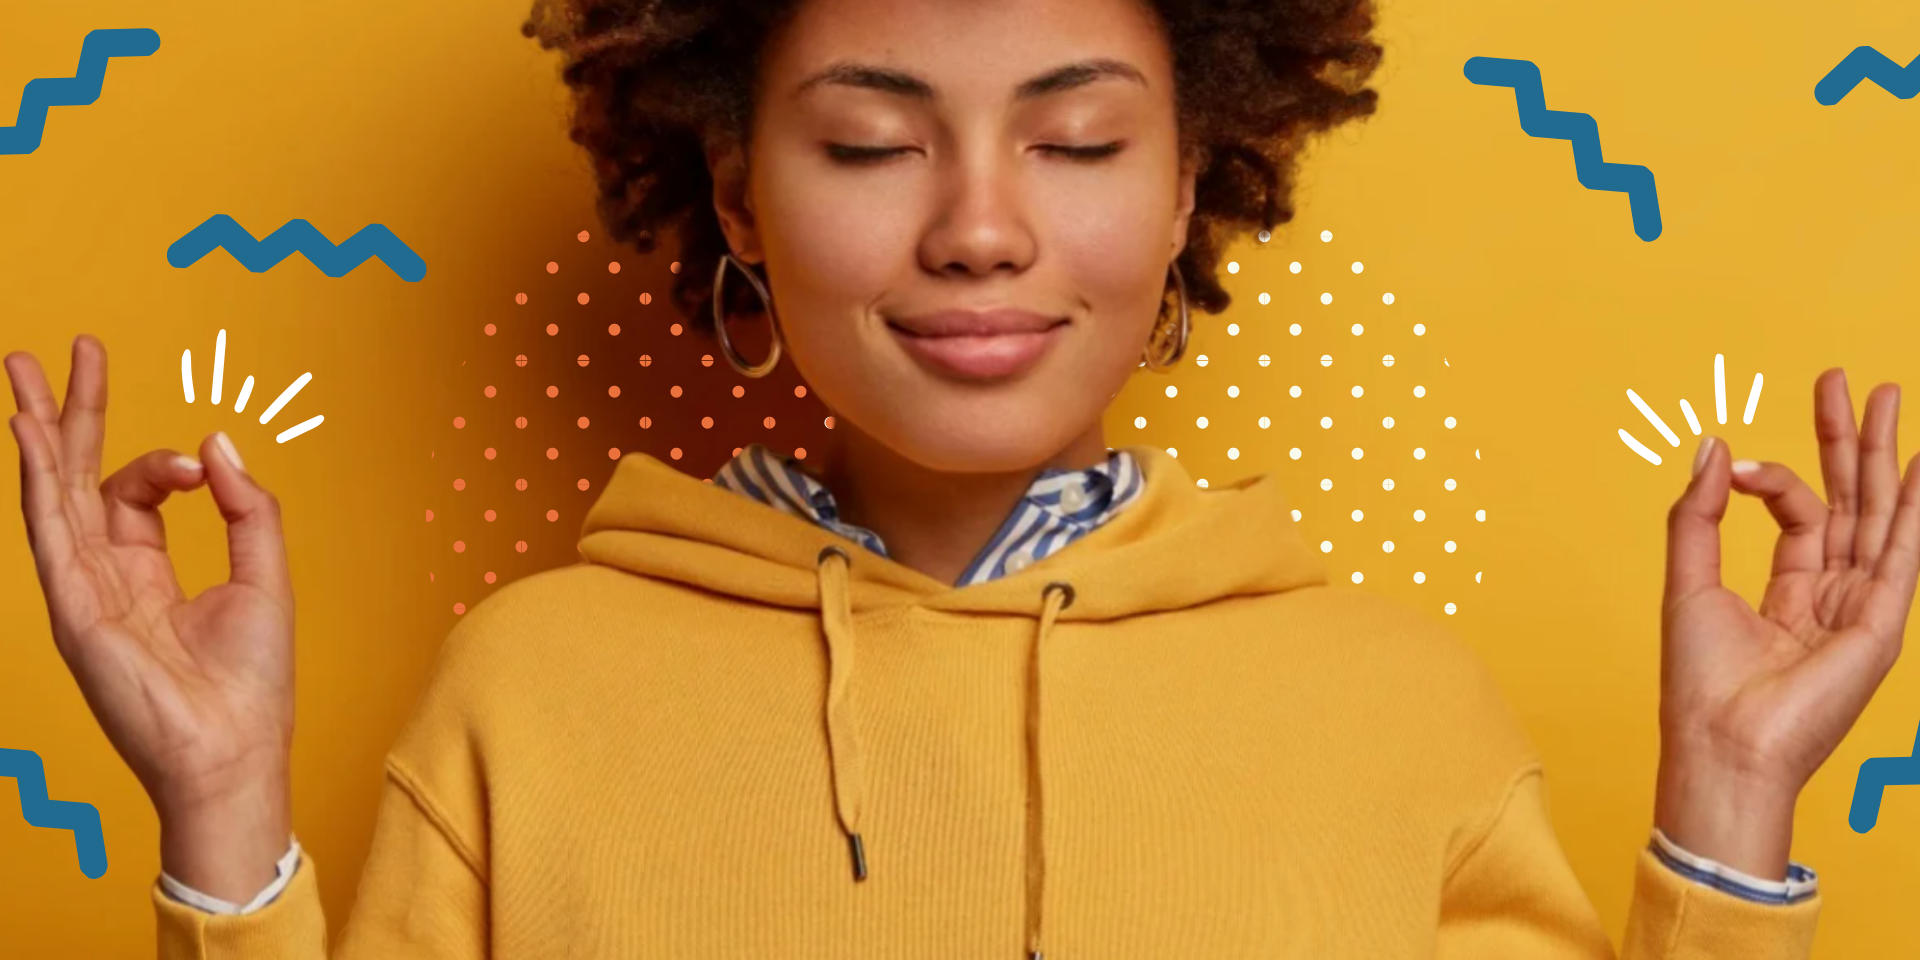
(182, 688)
(124, 607)
(1774, 690)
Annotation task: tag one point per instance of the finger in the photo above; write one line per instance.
(32, 395)
(256, 549)
(135, 492)
(1839, 463)
(1693, 526)
(1900, 561)
(1879, 474)
(1799, 511)
(49, 534)
(83, 417)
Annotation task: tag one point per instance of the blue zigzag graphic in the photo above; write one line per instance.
(78, 90)
(1876, 775)
(259, 256)
(82, 818)
(1866, 63)
(1594, 173)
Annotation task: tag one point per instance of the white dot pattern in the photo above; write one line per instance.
(1343, 285)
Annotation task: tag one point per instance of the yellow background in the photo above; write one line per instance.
(1788, 247)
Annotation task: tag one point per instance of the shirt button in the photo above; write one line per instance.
(1018, 562)
(1073, 499)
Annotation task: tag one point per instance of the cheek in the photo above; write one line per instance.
(841, 246)
(1114, 248)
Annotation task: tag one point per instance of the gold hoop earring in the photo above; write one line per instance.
(1159, 361)
(732, 356)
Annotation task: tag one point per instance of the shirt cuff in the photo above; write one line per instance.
(1801, 882)
(283, 873)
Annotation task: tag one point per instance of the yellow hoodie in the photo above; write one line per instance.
(730, 733)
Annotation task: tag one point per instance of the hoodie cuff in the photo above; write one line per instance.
(283, 873)
(1801, 883)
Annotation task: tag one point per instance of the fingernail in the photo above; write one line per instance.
(226, 447)
(187, 463)
(1700, 458)
(1744, 467)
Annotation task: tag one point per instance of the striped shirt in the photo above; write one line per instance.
(1059, 507)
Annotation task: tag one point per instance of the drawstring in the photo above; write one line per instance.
(843, 739)
(1057, 596)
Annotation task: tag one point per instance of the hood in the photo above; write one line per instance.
(1176, 546)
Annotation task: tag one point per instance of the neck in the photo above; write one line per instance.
(933, 521)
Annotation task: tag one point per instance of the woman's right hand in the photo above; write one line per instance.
(196, 695)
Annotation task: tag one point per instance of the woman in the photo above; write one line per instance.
(971, 684)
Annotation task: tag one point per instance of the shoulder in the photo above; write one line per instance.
(564, 614)
(533, 637)
(1409, 673)
(534, 602)
(1384, 633)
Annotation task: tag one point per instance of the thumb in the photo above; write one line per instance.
(1693, 525)
(256, 549)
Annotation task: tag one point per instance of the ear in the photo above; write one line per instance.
(726, 163)
(1183, 212)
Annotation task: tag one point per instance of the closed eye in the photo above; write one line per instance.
(1095, 152)
(857, 154)
(851, 153)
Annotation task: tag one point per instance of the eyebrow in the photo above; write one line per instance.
(887, 80)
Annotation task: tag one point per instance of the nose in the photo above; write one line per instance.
(981, 223)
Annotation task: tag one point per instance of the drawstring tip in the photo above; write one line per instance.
(859, 856)
(1033, 955)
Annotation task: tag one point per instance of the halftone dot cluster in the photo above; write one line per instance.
(1387, 441)
(569, 440)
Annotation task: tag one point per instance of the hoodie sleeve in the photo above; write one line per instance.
(1512, 894)
(421, 897)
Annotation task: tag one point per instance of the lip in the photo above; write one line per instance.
(978, 344)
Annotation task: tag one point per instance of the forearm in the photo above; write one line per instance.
(225, 842)
(1742, 821)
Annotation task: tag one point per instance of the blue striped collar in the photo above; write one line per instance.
(1060, 506)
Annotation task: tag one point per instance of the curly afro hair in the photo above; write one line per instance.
(652, 79)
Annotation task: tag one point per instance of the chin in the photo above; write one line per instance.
(977, 437)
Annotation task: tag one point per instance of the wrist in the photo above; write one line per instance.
(225, 843)
(1734, 817)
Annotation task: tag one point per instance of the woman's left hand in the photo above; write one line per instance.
(1751, 703)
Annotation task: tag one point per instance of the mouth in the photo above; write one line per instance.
(978, 346)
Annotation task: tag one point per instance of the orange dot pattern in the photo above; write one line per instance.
(661, 389)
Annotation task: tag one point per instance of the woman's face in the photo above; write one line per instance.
(924, 168)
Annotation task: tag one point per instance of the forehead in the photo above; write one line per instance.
(965, 46)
